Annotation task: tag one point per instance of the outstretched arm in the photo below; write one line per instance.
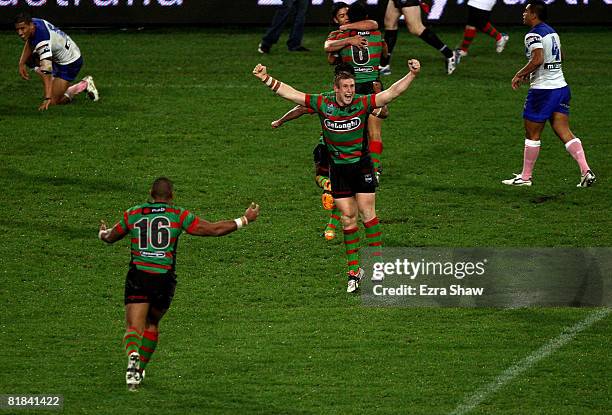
(223, 227)
(109, 235)
(281, 89)
(400, 86)
(537, 58)
(292, 114)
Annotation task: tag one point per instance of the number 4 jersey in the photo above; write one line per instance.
(154, 229)
(51, 43)
(549, 75)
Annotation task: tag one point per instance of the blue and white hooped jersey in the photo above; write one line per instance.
(549, 75)
(51, 43)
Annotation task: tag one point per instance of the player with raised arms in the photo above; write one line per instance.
(343, 118)
(154, 228)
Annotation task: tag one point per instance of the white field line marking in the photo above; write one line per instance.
(515, 370)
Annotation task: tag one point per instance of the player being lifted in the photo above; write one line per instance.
(154, 228)
(55, 58)
(548, 98)
(360, 44)
(353, 182)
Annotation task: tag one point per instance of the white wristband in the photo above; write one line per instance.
(100, 234)
(238, 223)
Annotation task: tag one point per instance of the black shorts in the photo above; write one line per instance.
(321, 156)
(370, 87)
(145, 287)
(478, 18)
(406, 3)
(349, 179)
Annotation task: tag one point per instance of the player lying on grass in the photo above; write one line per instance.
(343, 118)
(154, 228)
(55, 58)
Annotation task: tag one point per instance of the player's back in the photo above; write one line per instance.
(550, 74)
(52, 43)
(154, 229)
(365, 60)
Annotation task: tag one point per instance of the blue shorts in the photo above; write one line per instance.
(68, 72)
(542, 103)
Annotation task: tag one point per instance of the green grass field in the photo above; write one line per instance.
(261, 322)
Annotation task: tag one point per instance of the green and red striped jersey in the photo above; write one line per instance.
(344, 128)
(154, 229)
(365, 61)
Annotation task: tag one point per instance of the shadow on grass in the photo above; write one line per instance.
(22, 179)
(17, 227)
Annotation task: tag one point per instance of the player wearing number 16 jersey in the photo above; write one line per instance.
(548, 98)
(154, 229)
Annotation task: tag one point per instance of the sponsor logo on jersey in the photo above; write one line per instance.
(152, 254)
(552, 65)
(343, 126)
(533, 39)
(148, 211)
(364, 69)
(363, 32)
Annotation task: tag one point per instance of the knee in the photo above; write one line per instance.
(131, 324)
(152, 326)
(368, 214)
(375, 135)
(390, 24)
(349, 220)
(416, 29)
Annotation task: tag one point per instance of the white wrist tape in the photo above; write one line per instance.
(238, 222)
(101, 234)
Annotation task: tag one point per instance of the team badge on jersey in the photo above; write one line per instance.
(329, 110)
